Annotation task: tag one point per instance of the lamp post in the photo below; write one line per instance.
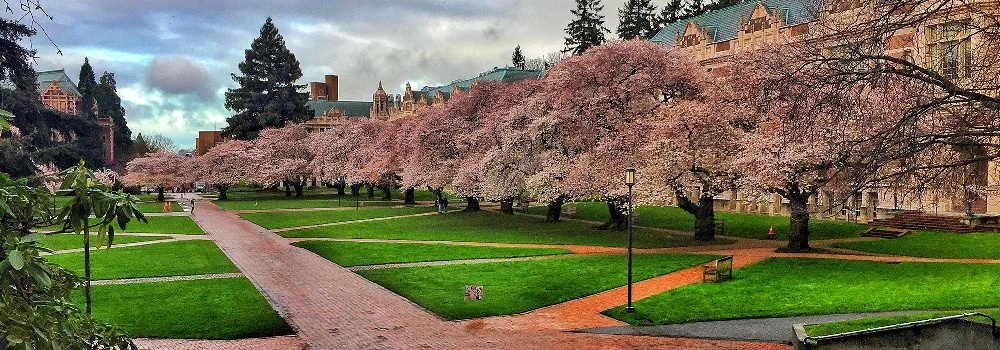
(340, 190)
(629, 181)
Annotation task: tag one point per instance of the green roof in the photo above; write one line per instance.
(45, 78)
(723, 24)
(350, 109)
(505, 74)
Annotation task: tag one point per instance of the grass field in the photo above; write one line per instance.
(515, 287)
(207, 309)
(797, 287)
(934, 245)
(318, 198)
(495, 227)
(182, 225)
(63, 241)
(736, 224)
(357, 253)
(304, 218)
(157, 207)
(154, 260)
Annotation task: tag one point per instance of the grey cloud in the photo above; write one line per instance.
(179, 75)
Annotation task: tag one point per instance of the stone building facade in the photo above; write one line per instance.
(58, 92)
(942, 44)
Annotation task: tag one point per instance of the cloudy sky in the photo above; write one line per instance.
(172, 59)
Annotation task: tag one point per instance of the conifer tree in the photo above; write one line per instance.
(638, 20)
(109, 106)
(87, 84)
(518, 58)
(139, 146)
(671, 12)
(587, 30)
(267, 95)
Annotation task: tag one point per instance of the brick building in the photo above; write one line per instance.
(58, 92)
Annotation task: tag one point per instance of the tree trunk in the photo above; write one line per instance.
(554, 209)
(223, 192)
(314, 182)
(340, 189)
(473, 204)
(355, 189)
(298, 184)
(617, 221)
(386, 192)
(507, 207)
(408, 196)
(288, 189)
(159, 194)
(704, 215)
(371, 191)
(798, 229)
(86, 264)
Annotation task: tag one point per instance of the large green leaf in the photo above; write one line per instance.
(16, 259)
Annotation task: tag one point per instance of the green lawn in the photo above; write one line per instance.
(515, 287)
(182, 225)
(487, 226)
(818, 330)
(934, 245)
(736, 224)
(798, 287)
(154, 260)
(318, 198)
(157, 207)
(306, 218)
(63, 241)
(207, 309)
(358, 253)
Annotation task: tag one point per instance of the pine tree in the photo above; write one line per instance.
(267, 96)
(670, 13)
(518, 58)
(109, 106)
(587, 30)
(693, 9)
(139, 146)
(638, 20)
(86, 85)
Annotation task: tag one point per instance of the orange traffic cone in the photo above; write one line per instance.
(770, 233)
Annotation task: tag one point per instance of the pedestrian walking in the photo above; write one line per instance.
(444, 204)
(437, 203)
(192, 205)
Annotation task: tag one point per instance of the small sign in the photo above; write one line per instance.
(473, 292)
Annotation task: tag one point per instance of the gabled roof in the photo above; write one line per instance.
(45, 78)
(723, 24)
(350, 109)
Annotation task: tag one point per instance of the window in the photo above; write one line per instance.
(949, 49)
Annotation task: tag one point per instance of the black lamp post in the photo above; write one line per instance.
(340, 190)
(630, 181)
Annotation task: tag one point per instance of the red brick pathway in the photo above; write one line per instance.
(333, 308)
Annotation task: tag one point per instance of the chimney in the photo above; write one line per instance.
(332, 87)
(317, 91)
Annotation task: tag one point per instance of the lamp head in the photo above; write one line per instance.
(630, 176)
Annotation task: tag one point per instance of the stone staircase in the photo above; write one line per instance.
(921, 221)
(884, 232)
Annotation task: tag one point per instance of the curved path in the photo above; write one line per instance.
(332, 308)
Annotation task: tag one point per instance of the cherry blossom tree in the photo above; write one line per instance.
(378, 161)
(157, 170)
(283, 156)
(227, 164)
(601, 105)
(332, 148)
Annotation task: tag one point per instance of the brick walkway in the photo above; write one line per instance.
(333, 308)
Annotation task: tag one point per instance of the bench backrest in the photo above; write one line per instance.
(724, 264)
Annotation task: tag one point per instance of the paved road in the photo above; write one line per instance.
(775, 330)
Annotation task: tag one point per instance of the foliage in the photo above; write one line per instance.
(637, 20)
(517, 59)
(227, 164)
(515, 287)
(86, 85)
(267, 96)
(587, 28)
(109, 106)
(158, 170)
(365, 253)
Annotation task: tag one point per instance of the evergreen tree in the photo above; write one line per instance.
(671, 12)
(87, 84)
(587, 30)
(139, 146)
(518, 58)
(268, 95)
(638, 20)
(721, 4)
(109, 106)
(15, 60)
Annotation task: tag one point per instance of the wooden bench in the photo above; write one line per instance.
(721, 269)
(570, 211)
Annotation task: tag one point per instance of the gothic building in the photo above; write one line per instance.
(58, 92)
